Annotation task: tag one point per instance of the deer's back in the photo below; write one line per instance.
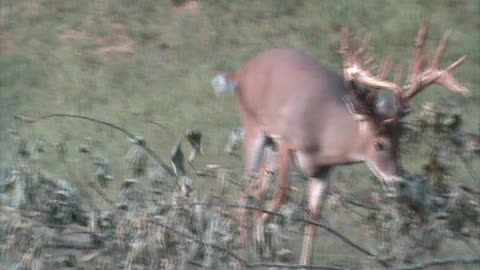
(280, 87)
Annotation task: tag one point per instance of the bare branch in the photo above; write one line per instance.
(294, 266)
(360, 204)
(434, 262)
(345, 240)
(249, 207)
(124, 131)
(197, 240)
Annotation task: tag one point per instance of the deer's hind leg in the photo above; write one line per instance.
(277, 158)
(280, 161)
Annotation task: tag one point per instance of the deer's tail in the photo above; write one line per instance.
(224, 83)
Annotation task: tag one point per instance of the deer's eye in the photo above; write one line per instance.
(379, 146)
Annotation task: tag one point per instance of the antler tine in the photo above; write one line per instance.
(345, 44)
(456, 63)
(420, 79)
(384, 69)
(368, 64)
(398, 74)
(360, 52)
(418, 55)
(401, 109)
(449, 82)
(380, 68)
(440, 50)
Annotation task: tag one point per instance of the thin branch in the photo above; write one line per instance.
(294, 266)
(70, 246)
(162, 126)
(469, 167)
(66, 243)
(197, 240)
(322, 225)
(345, 239)
(359, 204)
(434, 262)
(249, 207)
(101, 193)
(122, 130)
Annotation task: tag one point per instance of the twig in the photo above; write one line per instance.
(124, 131)
(346, 240)
(197, 240)
(363, 205)
(71, 246)
(162, 126)
(355, 211)
(294, 266)
(434, 262)
(60, 242)
(76, 232)
(249, 207)
(469, 167)
(198, 264)
(101, 193)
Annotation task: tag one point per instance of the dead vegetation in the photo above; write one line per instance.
(159, 219)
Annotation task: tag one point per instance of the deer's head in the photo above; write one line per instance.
(380, 115)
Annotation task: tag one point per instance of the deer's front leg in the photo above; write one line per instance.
(317, 191)
(254, 144)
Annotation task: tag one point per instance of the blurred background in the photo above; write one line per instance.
(146, 66)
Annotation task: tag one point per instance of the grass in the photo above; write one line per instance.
(129, 63)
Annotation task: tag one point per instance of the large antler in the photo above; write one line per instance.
(355, 70)
(421, 77)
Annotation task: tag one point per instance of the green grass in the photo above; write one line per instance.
(164, 77)
(171, 56)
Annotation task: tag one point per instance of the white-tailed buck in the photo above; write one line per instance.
(322, 119)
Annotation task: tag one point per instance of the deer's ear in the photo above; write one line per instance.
(357, 106)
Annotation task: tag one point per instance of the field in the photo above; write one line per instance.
(146, 66)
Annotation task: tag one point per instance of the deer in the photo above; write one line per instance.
(319, 119)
